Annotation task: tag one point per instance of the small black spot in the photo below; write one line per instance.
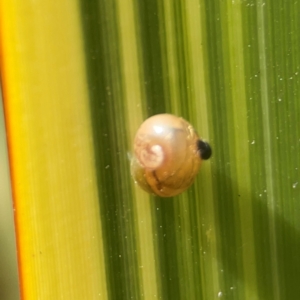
(205, 149)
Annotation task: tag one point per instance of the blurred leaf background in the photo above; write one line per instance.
(9, 285)
(80, 77)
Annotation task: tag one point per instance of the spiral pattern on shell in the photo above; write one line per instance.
(167, 155)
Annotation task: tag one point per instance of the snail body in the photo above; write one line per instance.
(167, 155)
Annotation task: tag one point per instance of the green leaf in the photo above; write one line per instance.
(231, 68)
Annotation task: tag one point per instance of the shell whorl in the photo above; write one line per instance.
(150, 157)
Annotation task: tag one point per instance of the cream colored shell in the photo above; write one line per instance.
(166, 155)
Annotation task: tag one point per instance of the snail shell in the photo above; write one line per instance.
(167, 155)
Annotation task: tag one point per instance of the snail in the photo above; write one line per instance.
(167, 155)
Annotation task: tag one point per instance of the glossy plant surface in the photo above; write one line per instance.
(80, 77)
